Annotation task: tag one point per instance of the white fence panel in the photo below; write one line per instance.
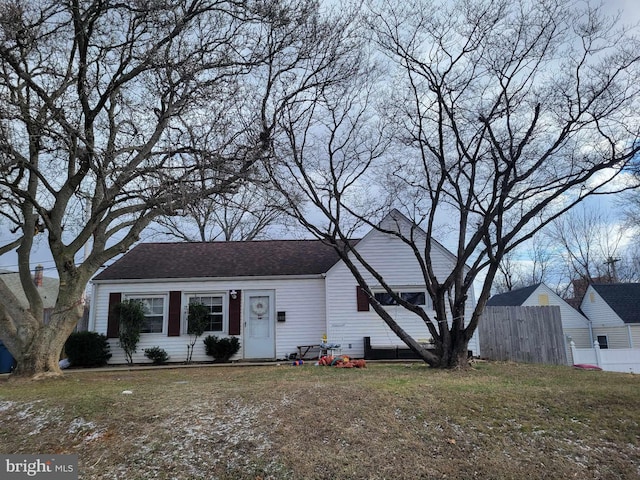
(625, 360)
(620, 360)
(584, 355)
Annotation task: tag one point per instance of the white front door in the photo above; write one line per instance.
(259, 324)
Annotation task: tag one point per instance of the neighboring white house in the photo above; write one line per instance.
(275, 295)
(575, 326)
(614, 312)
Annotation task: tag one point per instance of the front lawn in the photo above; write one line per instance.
(386, 421)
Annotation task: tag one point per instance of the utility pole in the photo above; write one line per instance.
(611, 269)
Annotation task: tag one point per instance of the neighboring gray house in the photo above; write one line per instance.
(575, 326)
(274, 295)
(47, 287)
(614, 312)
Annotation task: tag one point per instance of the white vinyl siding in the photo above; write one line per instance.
(302, 300)
(544, 296)
(617, 337)
(634, 334)
(580, 336)
(598, 311)
(398, 266)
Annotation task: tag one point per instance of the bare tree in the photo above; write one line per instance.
(588, 245)
(529, 264)
(510, 274)
(131, 111)
(501, 116)
(246, 214)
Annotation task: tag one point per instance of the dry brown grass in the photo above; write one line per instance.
(387, 421)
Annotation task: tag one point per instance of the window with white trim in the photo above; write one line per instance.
(215, 305)
(414, 297)
(154, 307)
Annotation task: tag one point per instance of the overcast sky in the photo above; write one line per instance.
(630, 14)
(631, 8)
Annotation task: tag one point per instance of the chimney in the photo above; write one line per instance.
(37, 277)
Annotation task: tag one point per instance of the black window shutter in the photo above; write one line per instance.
(362, 299)
(113, 321)
(234, 314)
(175, 300)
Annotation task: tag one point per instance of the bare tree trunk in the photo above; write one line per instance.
(40, 358)
(40, 346)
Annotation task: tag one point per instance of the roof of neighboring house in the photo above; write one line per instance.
(48, 290)
(261, 258)
(512, 298)
(623, 298)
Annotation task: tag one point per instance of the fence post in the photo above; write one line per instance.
(596, 347)
(572, 346)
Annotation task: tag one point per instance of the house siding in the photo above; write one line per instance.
(580, 337)
(634, 334)
(571, 318)
(598, 311)
(303, 300)
(617, 337)
(397, 264)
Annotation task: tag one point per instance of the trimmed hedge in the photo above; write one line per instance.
(87, 349)
(221, 349)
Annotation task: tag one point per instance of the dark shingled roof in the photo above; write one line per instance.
(623, 298)
(222, 259)
(513, 298)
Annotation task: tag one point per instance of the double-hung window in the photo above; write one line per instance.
(215, 304)
(154, 312)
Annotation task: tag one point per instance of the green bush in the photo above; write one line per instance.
(158, 355)
(131, 313)
(87, 349)
(221, 349)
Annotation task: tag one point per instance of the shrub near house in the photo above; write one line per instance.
(87, 349)
(221, 349)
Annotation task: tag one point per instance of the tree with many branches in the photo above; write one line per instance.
(249, 213)
(493, 118)
(128, 111)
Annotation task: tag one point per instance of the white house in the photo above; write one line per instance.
(614, 312)
(575, 326)
(274, 295)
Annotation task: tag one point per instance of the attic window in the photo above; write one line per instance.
(543, 299)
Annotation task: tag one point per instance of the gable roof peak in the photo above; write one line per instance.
(623, 298)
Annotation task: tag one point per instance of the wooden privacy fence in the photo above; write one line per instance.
(522, 334)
